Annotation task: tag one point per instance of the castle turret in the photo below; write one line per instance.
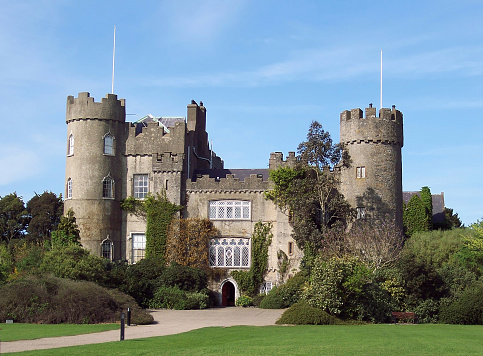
(373, 182)
(95, 136)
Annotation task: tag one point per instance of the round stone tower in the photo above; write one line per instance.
(95, 135)
(373, 182)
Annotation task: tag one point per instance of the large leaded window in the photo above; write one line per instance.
(138, 247)
(229, 210)
(141, 186)
(230, 252)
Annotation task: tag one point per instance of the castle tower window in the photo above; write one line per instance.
(70, 148)
(69, 188)
(141, 186)
(361, 213)
(290, 248)
(108, 188)
(106, 249)
(229, 210)
(109, 144)
(229, 252)
(361, 172)
(138, 247)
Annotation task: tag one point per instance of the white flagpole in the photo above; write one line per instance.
(113, 57)
(380, 107)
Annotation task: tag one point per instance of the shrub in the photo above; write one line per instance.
(172, 297)
(427, 311)
(467, 309)
(189, 279)
(273, 300)
(55, 300)
(244, 301)
(257, 300)
(285, 295)
(302, 313)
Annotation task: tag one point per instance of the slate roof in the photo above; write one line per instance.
(241, 174)
(438, 205)
(166, 122)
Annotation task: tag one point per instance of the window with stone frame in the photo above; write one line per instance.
(109, 144)
(108, 188)
(140, 186)
(69, 188)
(138, 246)
(229, 210)
(232, 252)
(266, 287)
(361, 212)
(106, 249)
(70, 147)
(361, 172)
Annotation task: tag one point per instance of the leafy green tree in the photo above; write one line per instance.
(13, 217)
(45, 212)
(308, 192)
(427, 201)
(67, 232)
(451, 220)
(74, 262)
(471, 253)
(415, 216)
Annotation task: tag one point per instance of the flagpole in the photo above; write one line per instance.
(113, 57)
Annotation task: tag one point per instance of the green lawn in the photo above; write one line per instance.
(12, 332)
(300, 340)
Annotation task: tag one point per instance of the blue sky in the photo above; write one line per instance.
(263, 69)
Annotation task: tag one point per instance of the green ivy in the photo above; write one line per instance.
(158, 212)
(249, 281)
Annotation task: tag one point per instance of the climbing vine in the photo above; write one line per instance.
(188, 242)
(249, 281)
(158, 212)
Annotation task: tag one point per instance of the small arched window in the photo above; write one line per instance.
(109, 144)
(69, 188)
(108, 188)
(70, 148)
(106, 248)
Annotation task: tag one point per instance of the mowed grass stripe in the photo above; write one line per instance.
(18, 331)
(384, 339)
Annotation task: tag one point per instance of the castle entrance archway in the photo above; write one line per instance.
(228, 294)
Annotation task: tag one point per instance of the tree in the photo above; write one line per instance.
(415, 216)
(309, 192)
(427, 201)
(67, 232)
(45, 211)
(451, 220)
(188, 240)
(13, 217)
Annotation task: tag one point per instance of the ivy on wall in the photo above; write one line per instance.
(158, 212)
(250, 281)
(188, 242)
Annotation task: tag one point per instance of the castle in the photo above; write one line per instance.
(109, 159)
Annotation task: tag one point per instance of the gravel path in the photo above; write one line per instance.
(168, 322)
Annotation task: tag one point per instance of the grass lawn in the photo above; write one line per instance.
(299, 340)
(12, 332)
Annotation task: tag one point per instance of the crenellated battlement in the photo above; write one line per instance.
(253, 183)
(276, 160)
(387, 128)
(84, 108)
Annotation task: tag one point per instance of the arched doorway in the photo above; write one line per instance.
(228, 294)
